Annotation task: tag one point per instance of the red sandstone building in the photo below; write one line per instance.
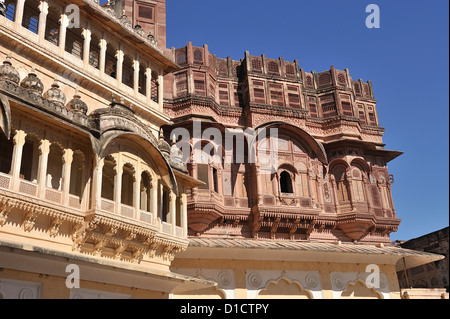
(142, 223)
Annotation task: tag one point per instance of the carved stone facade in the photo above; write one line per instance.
(83, 173)
(329, 144)
(93, 175)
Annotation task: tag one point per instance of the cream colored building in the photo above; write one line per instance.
(88, 181)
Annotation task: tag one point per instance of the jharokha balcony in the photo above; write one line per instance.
(82, 167)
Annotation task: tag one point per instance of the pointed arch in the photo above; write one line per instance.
(146, 146)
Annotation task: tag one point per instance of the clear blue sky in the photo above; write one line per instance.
(407, 60)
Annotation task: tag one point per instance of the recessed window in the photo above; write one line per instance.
(144, 13)
(286, 183)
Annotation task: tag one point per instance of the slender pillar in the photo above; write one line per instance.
(19, 142)
(160, 91)
(173, 211)
(137, 193)
(102, 58)
(67, 168)
(183, 212)
(97, 178)
(334, 192)
(86, 46)
(19, 14)
(64, 22)
(148, 83)
(136, 77)
(44, 150)
(351, 191)
(118, 187)
(119, 56)
(43, 7)
(154, 201)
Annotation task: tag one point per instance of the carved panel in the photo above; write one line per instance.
(259, 279)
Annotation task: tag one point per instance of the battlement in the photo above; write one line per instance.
(258, 81)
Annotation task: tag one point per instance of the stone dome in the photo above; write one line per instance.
(32, 82)
(77, 105)
(55, 94)
(8, 72)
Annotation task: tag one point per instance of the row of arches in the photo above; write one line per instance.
(128, 183)
(298, 174)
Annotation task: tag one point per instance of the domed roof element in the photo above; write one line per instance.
(77, 105)
(32, 82)
(55, 94)
(8, 72)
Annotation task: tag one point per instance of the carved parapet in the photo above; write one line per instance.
(30, 210)
(109, 237)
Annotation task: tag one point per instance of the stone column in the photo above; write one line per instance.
(173, 210)
(136, 77)
(44, 150)
(118, 187)
(154, 201)
(102, 58)
(16, 161)
(137, 193)
(97, 177)
(43, 7)
(86, 46)
(259, 197)
(160, 91)
(119, 66)
(64, 22)
(334, 192)
(67, 162)
(320, 195)
(183, 212)
(19, 14)
(148, 83)
(351, 192)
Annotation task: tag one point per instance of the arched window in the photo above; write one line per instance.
(52, 26)
(286, 183)
(76, 174)
(31, 12)
(94, 51)
(108, 174)
(55, 167)
(6, 149)
(202, 175)
(30, 158)
(145, 191)
(339, 173)
(127, 71)
(128, 180)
